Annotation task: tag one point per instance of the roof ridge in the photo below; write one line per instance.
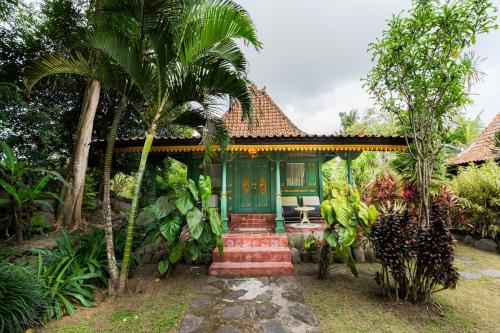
(268, 118)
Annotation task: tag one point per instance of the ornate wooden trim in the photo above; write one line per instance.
(252, 149)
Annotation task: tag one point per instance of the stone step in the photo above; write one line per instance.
(253, 254)
(251, 268)
(248, 240)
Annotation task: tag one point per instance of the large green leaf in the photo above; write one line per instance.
(205, 189)
(10, 189)
(326, 212)
(147, 216)
(176, 253)
(165, 204)
(40, 185)
(192, 250)
(183, 201)
(10, 158)
(215, 221)
(171, 228)
(331, 238)
(352, 266)
(192, 188)
(194, 220)
(347, 235)
(163, 267)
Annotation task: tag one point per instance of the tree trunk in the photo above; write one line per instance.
(19, 225)
(77, 212)
(133, 210)
(423, 183)
(80, 155)
(106, 201)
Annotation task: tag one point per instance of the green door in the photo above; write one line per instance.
(252, 186)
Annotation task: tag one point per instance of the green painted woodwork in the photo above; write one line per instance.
(251, 186)
(280, 229)
(223, 200)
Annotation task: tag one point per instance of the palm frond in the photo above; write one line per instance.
(54, 64)
(129, 57)
(208, 23)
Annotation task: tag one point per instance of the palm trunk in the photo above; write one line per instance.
(80, 155)
(106, 201)
(133, 210)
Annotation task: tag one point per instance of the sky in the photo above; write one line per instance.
(315, 54)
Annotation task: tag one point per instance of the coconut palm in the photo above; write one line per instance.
(180, 63)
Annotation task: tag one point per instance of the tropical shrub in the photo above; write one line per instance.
(123, 185)
(381, 190)
(70, 273)
(185, 220)
(22, 303)
(26, 190)
(416, 261)
(478, 191)
(364, 169)
(64, 285)
(347, 216)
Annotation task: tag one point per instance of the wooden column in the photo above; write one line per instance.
(280, 229)
(321, 158)
(349, 168)
(223, 199)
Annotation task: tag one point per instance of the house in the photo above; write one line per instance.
(267, 163)
(483, 148)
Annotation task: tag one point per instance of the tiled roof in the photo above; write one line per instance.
(268, 119)
(481, 149)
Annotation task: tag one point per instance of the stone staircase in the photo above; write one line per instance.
(247, 222)
(253, 254)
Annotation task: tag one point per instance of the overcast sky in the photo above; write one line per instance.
(315, 53)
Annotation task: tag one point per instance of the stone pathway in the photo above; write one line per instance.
(264, 304)
(485, 270)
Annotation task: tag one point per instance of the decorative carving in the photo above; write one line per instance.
(262, 186)
(276, 147)
(245, 185)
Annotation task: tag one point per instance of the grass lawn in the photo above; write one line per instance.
(348, 304)
(154, 306)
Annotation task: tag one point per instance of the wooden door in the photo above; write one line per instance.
(252, 186)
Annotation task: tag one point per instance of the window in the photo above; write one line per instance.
(215, 172)
(295, 174)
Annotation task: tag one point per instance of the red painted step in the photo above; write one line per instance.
(254, 240)
(253, 254)
(250, 268)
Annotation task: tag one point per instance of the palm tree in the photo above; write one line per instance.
(348, 119)
(184, 61)
(466, 130)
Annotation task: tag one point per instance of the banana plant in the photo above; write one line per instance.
(185, 221)
(346, 214)
(23, 193)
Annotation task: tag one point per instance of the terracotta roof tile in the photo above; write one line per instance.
(481, 148)
(268, 119)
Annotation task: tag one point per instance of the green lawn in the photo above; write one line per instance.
(348, 304)
(343, 304)
(155, 306)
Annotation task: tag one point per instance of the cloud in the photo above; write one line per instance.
(486, 94)
(315, 53)
(320, 114)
